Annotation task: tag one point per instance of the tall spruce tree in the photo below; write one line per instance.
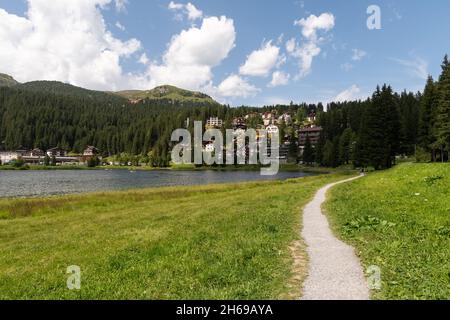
(428, 108)
(308, 152)
(442, 124)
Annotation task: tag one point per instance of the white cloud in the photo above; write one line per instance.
(192, 54)
(77, 49)
(189, 9)
(175, 6)
(311, 47)
(235, 86)
(358, 54)
(143, 59)
(279, 78)
(261, 62)
(120, 26)
(291, 45)
(350, 94)
(193, 12)
(312, 24)
(416, 66)
(121, 5)
(306, 54)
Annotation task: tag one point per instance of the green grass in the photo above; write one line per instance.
(399, 220)
(236, 241)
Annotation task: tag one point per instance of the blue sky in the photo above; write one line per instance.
(411, 43)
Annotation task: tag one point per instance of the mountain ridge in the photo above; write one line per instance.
(7, 81)
(164, 93)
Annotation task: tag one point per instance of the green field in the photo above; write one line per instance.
(238, 241)
(399, 220)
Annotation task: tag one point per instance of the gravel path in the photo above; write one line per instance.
(335, 272)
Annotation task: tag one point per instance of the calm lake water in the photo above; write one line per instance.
(46, 183)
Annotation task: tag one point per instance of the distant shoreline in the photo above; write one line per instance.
(287, 167)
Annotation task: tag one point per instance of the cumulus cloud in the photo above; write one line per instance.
(358, 54)
(312, 24)
(261, 62)
(279, 78)
(77, 49)
(311, 45)
(350, 94)
(80, 50)
(192, 54)
(236, 86)
(189, 9)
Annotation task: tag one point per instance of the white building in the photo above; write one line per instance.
(8, 156)
(214, 123)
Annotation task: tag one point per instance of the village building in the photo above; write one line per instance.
(269, 118)
(8, 156)
(37, 153)
(214, 123)
(90, 151)
(22, 152)
(313, 133)
(239, 123)
(56, 152)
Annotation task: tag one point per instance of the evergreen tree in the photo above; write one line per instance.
(442, 124)
(345, 146)
(308, 152)
(428, 107)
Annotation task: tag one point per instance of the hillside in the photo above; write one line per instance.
(7, 81)
(68, 90)
(167, 92)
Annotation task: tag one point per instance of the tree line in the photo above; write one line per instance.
(387, 125)
(373, 132)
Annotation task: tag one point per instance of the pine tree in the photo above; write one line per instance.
(370, 148)
(442, 125)
(345, 146)
(308, 152)
(428, 108)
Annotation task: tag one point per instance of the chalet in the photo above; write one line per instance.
(8, 156)
(311, 118)
(37, 153)
(214, 123)
(22, 152)
(313, 133)
(90, 151)
(268, 119)
(239, 123)
(56, 152)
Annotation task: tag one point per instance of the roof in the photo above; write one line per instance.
(313, 129)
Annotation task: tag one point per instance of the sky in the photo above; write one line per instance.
(241, 52)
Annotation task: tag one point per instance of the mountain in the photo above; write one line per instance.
(68, 90)
(160, 95)
(167, 93)
(7, 81)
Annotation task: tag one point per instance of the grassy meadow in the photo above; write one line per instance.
(235, 241)
(399, 220)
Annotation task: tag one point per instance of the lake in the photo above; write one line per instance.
(57, 182)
